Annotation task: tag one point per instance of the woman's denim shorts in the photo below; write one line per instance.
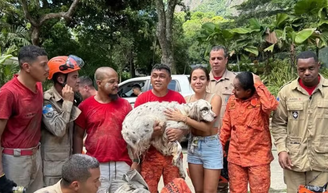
(206, 151)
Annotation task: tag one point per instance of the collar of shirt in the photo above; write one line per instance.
(323, 83)
(56, 95)
(224, 76)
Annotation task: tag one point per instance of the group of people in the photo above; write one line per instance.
(42, 133)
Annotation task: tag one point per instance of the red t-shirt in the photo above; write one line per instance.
(150, 97)
(308, 89)
(23, 110)
(103, 124)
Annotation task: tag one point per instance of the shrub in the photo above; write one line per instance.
(280, 74)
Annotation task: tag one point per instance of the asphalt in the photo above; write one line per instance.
(277, 181)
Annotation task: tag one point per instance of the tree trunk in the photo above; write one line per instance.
(164, 31)
(317, 51)
(35, 36)
(132, 69)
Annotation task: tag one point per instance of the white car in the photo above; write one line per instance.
(179, 83)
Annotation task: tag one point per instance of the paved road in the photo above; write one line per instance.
(277, 182)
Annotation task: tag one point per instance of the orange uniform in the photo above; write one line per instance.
(246, 122)
(153, 165)
(178, 185)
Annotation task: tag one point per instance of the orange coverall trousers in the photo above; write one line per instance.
(154, 165)
(257, 176)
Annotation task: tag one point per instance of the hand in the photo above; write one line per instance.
(6, 185)
(174, 134)
(256, 78)
(174, 115)
(285, 161)
(67, 93)
(157, 129)
(135, 166)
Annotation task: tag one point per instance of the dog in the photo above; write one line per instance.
(138, 125)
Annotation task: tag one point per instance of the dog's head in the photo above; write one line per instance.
(201, 110)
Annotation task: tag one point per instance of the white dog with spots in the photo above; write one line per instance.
(138, 127)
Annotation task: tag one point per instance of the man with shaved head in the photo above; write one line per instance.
(101, 118)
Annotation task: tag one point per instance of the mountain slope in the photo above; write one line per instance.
(219, 7)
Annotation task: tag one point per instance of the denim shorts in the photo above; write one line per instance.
(206, 151)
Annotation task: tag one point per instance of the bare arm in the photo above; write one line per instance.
(199, 125)
(78, 139)
(203, 126)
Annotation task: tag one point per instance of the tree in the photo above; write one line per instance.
(14, 37)
(39, 21)
(164, 30)
(260, 9)
(192, 24)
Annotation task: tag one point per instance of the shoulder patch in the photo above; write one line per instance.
(48, 111)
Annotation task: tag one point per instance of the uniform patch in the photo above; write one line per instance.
(295, 114)
(48, 111)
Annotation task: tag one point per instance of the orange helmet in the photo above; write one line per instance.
(64, 65)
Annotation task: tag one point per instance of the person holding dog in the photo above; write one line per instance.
(246, 124)
(299, 126)
(205, 153)
(154, 164)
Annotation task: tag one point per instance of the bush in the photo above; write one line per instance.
(7, 70)
(324, 72)
(280, 74)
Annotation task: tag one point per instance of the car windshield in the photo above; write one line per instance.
(171, 86)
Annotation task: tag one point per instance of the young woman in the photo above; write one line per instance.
(246, 124)
(204, 148)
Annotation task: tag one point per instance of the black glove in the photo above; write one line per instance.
(6, 185)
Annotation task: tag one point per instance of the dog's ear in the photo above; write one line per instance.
(195, 111)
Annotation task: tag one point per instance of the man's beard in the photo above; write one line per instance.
(113, 97)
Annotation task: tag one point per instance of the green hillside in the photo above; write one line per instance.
(219, 7)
